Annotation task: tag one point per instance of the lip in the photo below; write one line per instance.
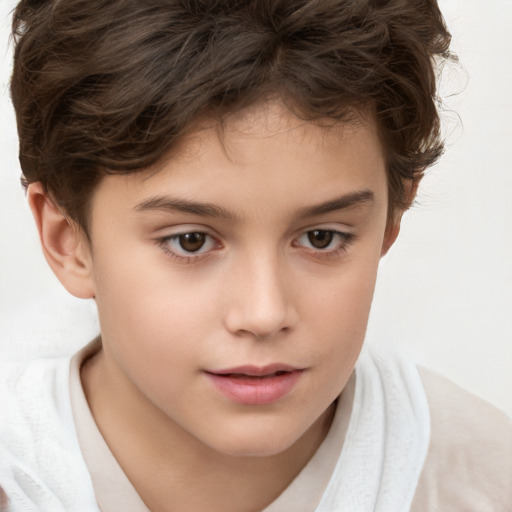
(255, 385)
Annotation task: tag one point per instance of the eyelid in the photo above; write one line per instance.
(167, 230)
(347, 238)
(335, 232)
(164, 243)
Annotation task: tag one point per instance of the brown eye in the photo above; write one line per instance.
(324, 243)
(191, 242)
(320, 238)
(189, 247)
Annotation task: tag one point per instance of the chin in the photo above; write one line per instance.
(255, 444)
(255, 451)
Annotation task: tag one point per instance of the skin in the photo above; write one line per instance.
(257, 292)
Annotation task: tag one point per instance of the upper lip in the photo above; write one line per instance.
(255, 371)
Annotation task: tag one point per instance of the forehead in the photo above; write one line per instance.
(259, 123)
(261, 155)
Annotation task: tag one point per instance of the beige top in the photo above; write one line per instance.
(469, 463)
(468, 466)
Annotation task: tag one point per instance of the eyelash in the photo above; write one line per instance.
(346, 240)
(192, 257)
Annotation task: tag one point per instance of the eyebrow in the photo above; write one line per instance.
(340, 203)
(170, 204)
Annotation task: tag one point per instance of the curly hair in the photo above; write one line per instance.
(109, 86)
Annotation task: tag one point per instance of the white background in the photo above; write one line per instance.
(444, 291)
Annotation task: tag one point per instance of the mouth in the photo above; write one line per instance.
(270, 370)
(252, 385)
(253, 377)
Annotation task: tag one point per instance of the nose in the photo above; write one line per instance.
(261, 303)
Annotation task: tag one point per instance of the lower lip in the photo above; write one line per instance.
(256, 390)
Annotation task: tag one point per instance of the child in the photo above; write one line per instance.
(223, 178)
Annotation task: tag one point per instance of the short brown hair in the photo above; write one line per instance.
(109, 86)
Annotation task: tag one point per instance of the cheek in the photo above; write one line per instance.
(145, 309)
(154, 334)
(144, 285)
(345, 296)
(339, 312)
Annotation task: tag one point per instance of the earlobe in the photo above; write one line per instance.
(64, 245)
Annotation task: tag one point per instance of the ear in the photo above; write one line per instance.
(395, 219)
(64, 244)
(391, 234)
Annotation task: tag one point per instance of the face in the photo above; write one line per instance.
(234, 281)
